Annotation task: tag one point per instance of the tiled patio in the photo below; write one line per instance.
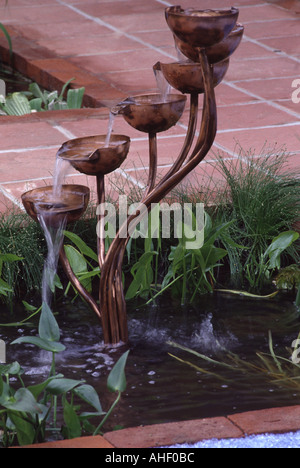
(110, 48)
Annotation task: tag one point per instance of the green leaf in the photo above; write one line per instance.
(72, 421)
(64, 88)
(36, 390)
(62, 386)
(81, 245)
(24, 401)
(90, 396)
(37, 93)
(4, 287)
(17, 104)
(29, 307)
(142, 275)
(75, 98)
(11, 369)
(10, 258)
(116, 381)
(36, 104)
(278, 246)
(78, 264)
(76, 259)
(51, 346)
(25, 430)
(48, 326)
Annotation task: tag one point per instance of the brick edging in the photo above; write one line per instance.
(52, 72)
(273, 420)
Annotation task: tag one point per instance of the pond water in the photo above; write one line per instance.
(159, 388)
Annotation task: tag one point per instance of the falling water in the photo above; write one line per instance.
(54, 238)
(112, 117)
(162, 84)
(61, 170)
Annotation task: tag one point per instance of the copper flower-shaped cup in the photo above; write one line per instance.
(94, 155)
(152, 113)
(216, 53)
(201, 28)
(68, 206)
(187, 76)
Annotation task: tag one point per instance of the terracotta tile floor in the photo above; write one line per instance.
(110, 48)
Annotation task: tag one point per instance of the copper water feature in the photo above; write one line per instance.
(208, 38)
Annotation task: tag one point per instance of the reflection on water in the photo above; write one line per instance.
(160, 389)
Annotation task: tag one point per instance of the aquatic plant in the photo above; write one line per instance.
(279, 370)
(263, 198)
(28, 414)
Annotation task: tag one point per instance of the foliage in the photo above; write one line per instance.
(195, 267)
(22, 103)
(29, 412)
(270, 261)
(21, 237)
(6, 258)
(263, 198)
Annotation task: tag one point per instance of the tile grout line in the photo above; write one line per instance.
(114, 29)
(13, 199)
(158, 50)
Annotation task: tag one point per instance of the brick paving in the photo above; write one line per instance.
(110, 48)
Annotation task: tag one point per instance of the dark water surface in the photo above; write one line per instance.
(159, 388)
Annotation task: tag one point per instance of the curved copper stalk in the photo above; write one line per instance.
(152, 162)
(112, 300)
(188, 140)
(76, 283)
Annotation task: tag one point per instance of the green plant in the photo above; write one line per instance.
(279, 370)
(5, 288)
(263, 199)
(22, 103)
(191, 271)
(21, 237)
(28, 413)
(83, 260)
(260, 271)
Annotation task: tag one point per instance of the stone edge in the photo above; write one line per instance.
(273, 420)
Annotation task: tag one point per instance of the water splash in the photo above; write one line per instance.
(209, 340)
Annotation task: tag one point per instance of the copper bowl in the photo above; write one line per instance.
(187, 76)
(201, 28)
(91, 156)
(216, 53)
(69, 206)
(152, 114)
